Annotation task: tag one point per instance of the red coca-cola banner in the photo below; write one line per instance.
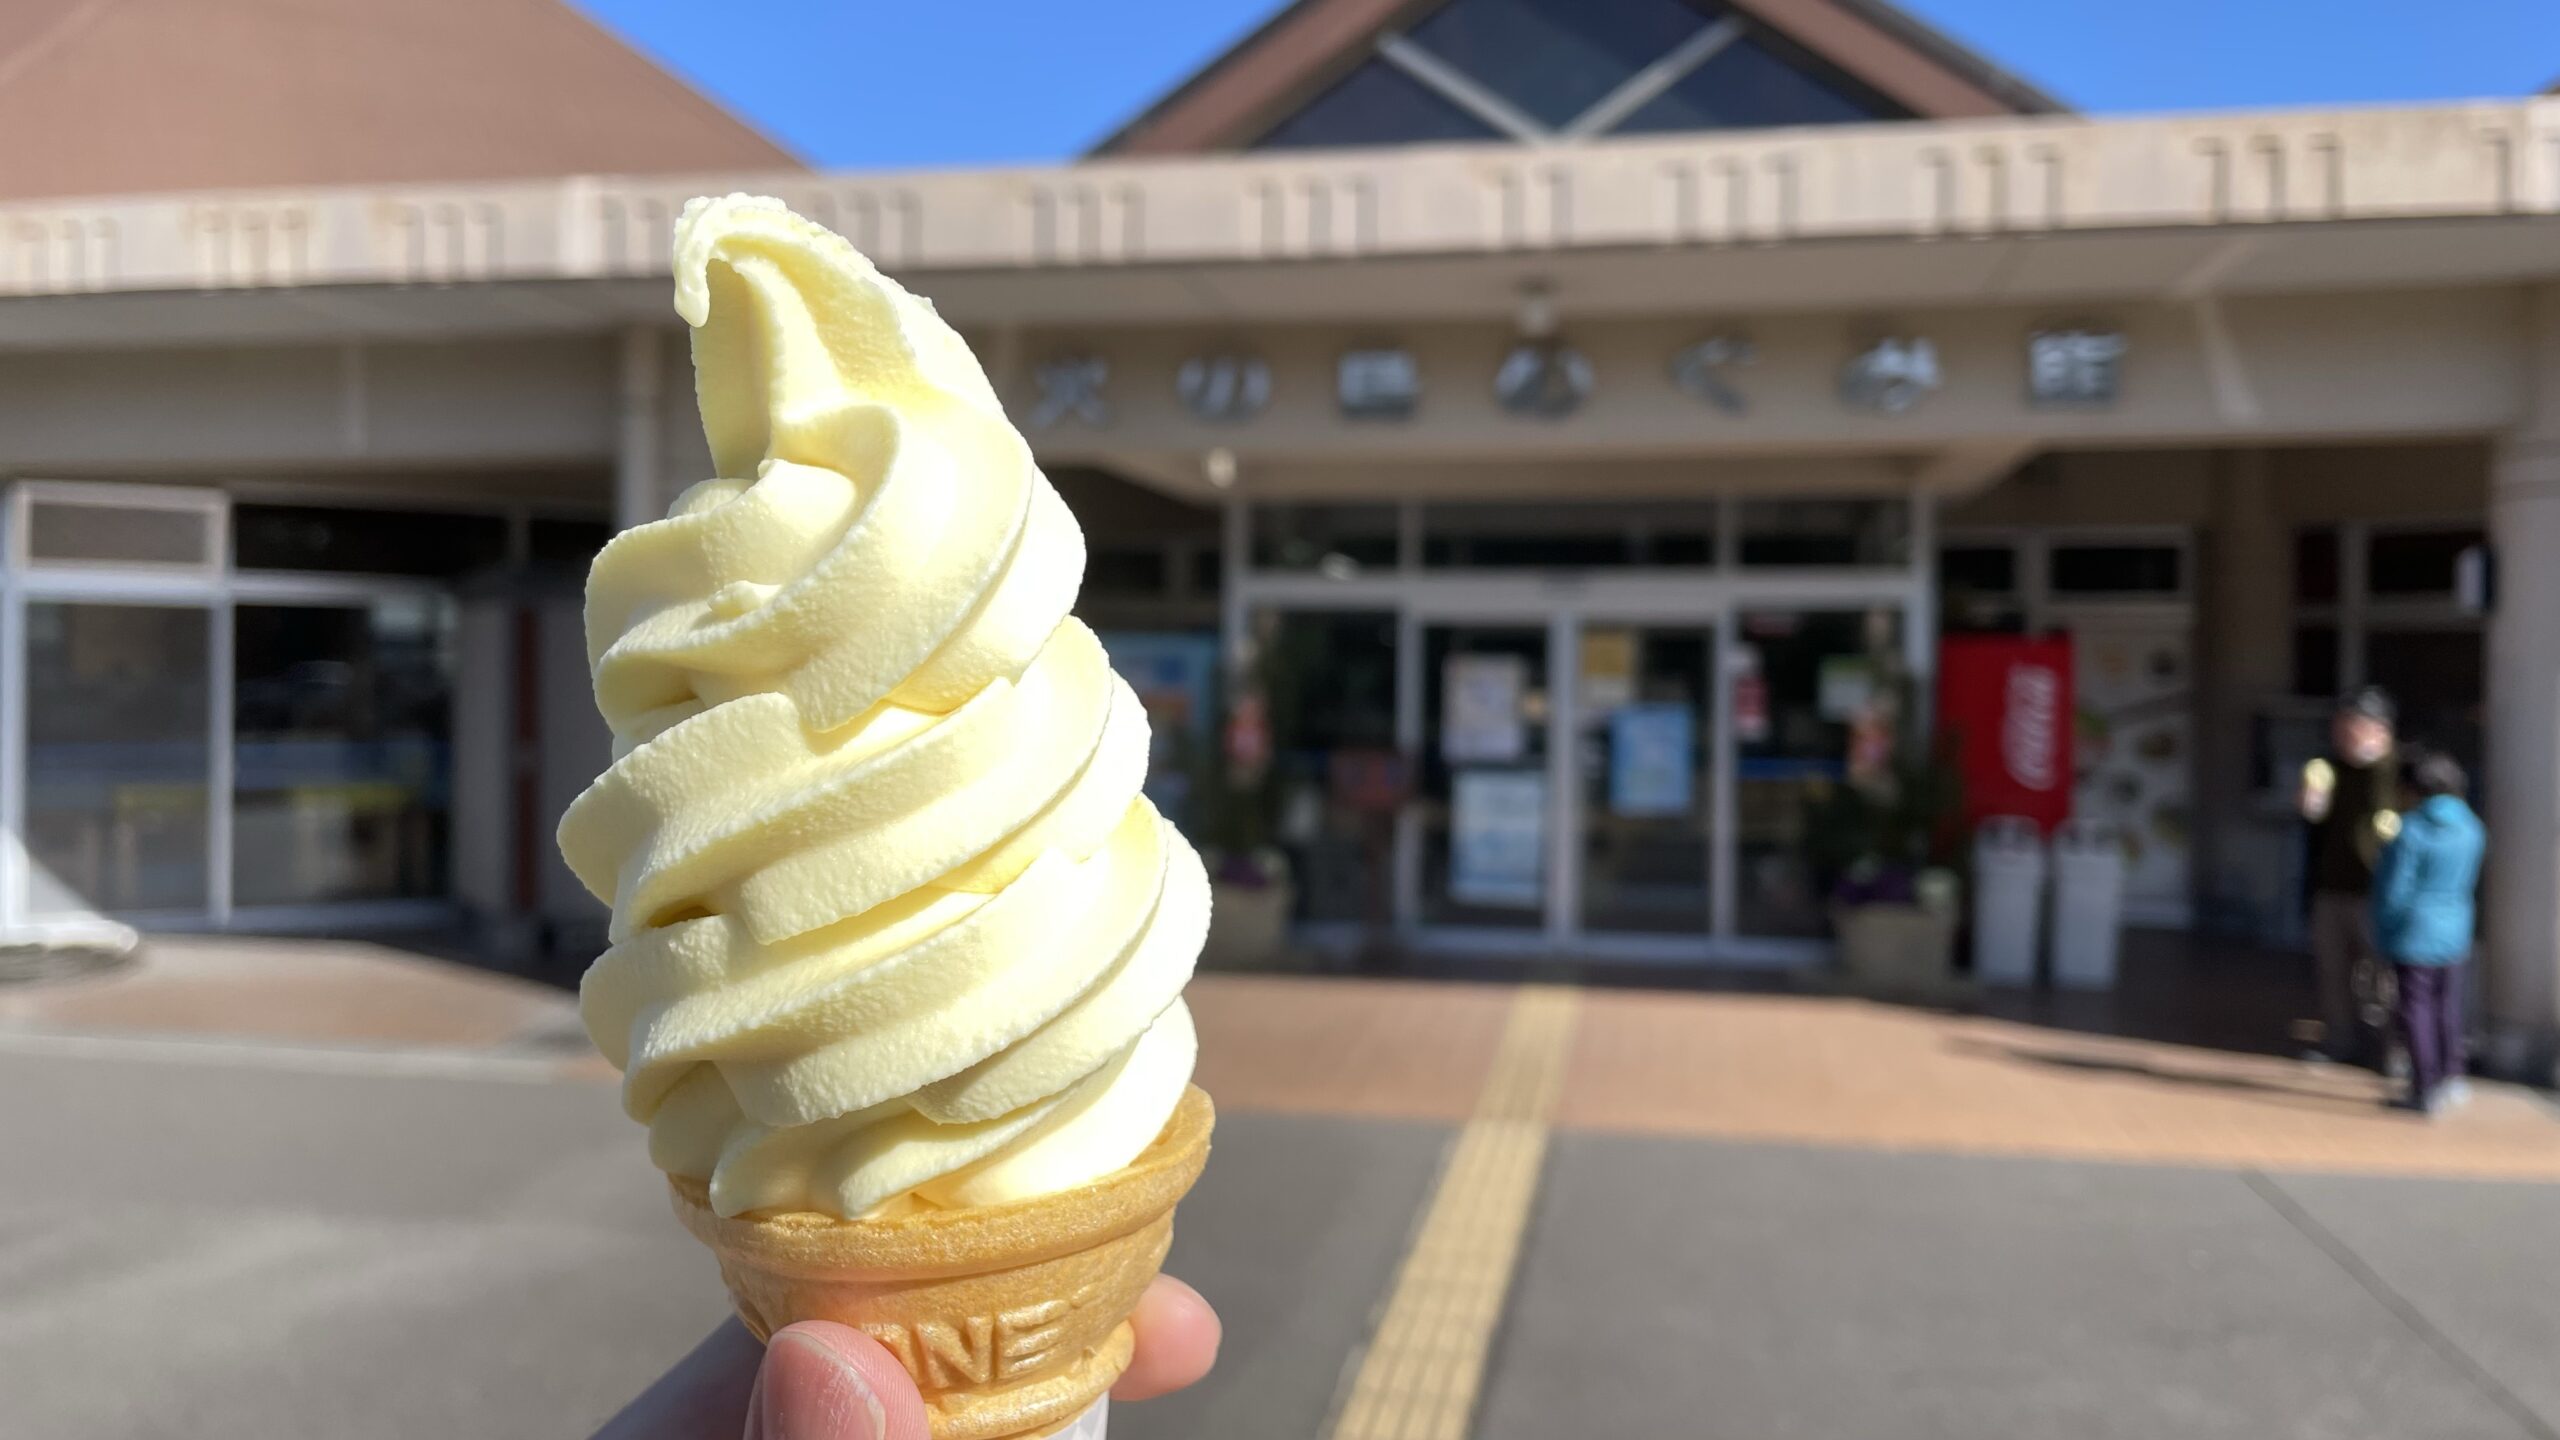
(2006, 705)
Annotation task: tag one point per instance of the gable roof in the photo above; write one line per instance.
(1310, 43)
(132, 96)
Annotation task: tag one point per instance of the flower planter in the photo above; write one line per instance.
(1897, 949)
(1248, 925)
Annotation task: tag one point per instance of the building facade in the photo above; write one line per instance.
(1591, 434)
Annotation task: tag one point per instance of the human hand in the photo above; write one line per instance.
(819, 1380)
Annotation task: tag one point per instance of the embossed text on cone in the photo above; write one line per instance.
(1012, 1318)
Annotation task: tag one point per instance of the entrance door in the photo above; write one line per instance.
(1485, 811)
(1644, 722)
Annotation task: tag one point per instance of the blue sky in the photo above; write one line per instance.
(862, 84)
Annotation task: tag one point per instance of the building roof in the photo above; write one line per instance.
(140, 96)
(1309, 43)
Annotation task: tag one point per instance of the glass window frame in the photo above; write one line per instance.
(1566, 602)
(216, 588)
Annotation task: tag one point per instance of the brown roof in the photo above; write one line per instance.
(1310, 43)
(123, 96)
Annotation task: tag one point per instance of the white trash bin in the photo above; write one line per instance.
(2008, 900)
(2088, 904)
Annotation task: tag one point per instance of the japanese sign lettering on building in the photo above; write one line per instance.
(1890, 375)
(1071, 385)
(1705, 370)
(1378, 383)
(1224, 386)
(2077, 366)
(1543, 380)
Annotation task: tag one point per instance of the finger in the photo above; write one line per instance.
(825, 1381)
(704, 1394)
(1177, 1341)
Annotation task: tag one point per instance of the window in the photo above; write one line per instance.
(1979, 569)
(117, 533)
(1208, 570)
(1555, 59)
(365, 542)
(1334, 540)
(1376, 104)
(119, 759)
(2117, 570)
(2315, 660)
(1825, 532)
(342, 722)
(1753, 82)
(566, 542)
(1543, 537)
(1541, 69)
(2315, 566)
(2411, 563)
(1126, 572)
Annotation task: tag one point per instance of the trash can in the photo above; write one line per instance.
(2008, 900)
(2088, 904)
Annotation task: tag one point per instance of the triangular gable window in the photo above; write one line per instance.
(1539, 70)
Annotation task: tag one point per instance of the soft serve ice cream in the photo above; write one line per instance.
(892, 926)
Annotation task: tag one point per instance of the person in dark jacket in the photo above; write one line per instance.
(2423, 921)
(2348, 796)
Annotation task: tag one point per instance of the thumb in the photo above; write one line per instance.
(825, 1381)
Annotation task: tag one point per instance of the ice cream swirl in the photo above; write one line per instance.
(892, 924)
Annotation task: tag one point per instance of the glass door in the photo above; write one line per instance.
(1808, 687)
(1483, 807)
(1643, 738)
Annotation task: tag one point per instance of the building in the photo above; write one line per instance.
(1718, 355)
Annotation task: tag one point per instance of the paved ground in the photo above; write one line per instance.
(400, 1205)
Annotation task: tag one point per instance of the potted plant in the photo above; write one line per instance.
(1250, 895)
(1887, 839)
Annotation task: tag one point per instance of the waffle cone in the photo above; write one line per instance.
(1012, 1318)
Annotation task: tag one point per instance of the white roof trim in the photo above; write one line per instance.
(1919, 181)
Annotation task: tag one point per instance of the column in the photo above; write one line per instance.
(2522, 797)
(638, 460)
(2243, 659)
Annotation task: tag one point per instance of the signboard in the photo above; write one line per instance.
(1651, 760)
(2133, 701)
(1224, 385)
(1608, 671)
(1497, 838)
(1480, 706)
(1543, 379)
(1750, 697)
(1175, 677)
(1705, 368)
(2074, 367)
(1382, 383)
(2006, 704)
(1845, 686)
(1890, 376)
(1071, 385)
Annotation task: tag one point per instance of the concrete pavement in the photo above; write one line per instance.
(455, 1233)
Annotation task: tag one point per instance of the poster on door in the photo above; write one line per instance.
(2135, 753)
(1497, 838)
(1480, 709)
(1651, 770)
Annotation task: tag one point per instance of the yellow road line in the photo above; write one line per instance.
(1419, 1378)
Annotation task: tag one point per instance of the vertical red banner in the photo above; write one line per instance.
(2005, 703)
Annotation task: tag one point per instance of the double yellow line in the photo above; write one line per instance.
(1422, 1371)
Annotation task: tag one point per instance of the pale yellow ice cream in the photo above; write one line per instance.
(892, 925)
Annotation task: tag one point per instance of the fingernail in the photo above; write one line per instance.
(808, 1390)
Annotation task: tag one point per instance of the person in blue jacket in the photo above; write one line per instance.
(2423, 921)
